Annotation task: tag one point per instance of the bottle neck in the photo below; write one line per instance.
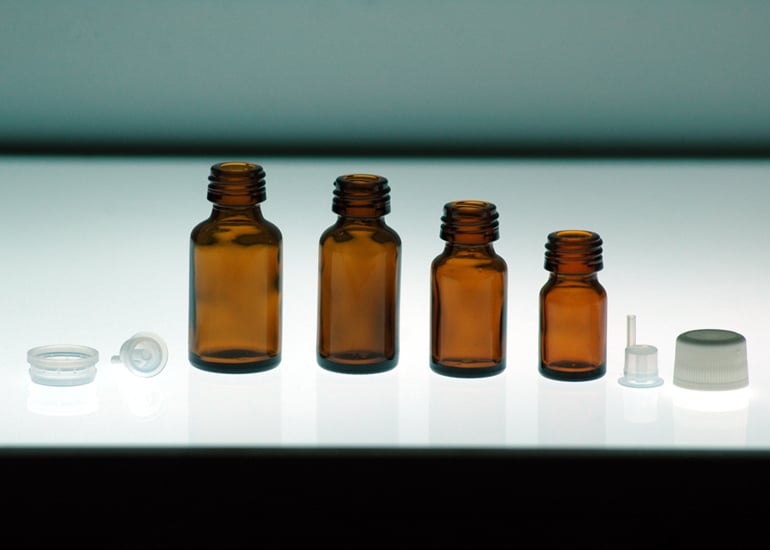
(250, 211)
(465, 249)
(573, 252)
(361, 220)
(469, 224)
(574, 276)
(361, 197)
(236, 185)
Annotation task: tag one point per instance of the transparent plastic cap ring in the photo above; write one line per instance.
(62, 364)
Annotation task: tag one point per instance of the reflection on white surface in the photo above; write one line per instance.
(571, 413)
(143, 396)
(235, 409)
(357, 409)
(640, 405)
(467, 411)
(711, 401)
(716, 418)
(62, 400)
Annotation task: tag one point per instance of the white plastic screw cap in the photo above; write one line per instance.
(711, 359)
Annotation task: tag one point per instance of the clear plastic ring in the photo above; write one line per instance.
(62, 364)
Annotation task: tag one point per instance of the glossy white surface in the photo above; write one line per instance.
(95, 250)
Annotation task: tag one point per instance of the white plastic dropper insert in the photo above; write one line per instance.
(145, 354)
(641, 365)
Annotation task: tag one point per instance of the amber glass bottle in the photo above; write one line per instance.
(468, 293)
(358, 280)
(573, 308)
(235, 276)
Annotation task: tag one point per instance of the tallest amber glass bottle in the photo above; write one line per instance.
(358, 280)
(235, 276)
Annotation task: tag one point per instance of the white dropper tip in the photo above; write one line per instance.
(641, 365)
(630, 330)
(145, 354)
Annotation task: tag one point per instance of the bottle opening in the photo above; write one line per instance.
(472, 207)
(575, 235)
(363, 179)
(235, 167)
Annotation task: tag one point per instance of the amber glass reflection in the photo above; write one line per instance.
(235, 276)
(573, 308)
(468, 294)
(358, 280)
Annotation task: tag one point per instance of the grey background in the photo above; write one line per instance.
(375, 75)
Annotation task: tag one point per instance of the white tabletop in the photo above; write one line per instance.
(95, 249)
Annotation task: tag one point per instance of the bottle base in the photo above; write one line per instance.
(571, 371)
(356, 365)
(230, 367)
(469, 371)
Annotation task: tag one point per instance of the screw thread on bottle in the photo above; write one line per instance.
(573, 251)
(361, 195)
(237, 183)
(470, 222)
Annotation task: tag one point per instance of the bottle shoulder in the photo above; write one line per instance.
(471, 256)
(271, 228)
(241, 229)
(344, 232)
(574, 283)
(468, 260)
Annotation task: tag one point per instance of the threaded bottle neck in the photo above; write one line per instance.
(361, 196)
(469, 222)
(236, 184)
(573, 251)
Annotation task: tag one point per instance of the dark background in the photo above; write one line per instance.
(345, 77)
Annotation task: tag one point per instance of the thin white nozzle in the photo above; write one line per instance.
(630, 330)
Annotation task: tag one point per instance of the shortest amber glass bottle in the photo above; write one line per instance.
(235, 276)
(573, 308)
(468, 293)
